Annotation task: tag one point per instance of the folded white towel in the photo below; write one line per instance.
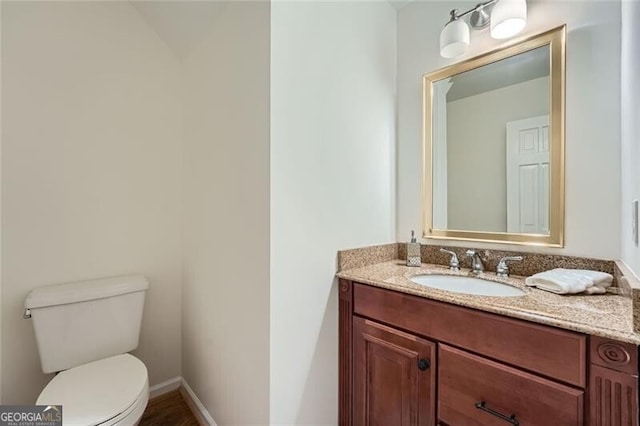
(601, 279)
(571, 281)
(596, 289)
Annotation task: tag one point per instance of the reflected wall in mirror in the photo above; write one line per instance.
(494, 127)
(494, 145)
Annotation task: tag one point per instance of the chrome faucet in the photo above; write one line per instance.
(477, 267)
(503, 269)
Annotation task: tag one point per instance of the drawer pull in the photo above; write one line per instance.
(423, 364)
(511, 419)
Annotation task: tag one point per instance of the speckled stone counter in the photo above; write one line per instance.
(609, 316)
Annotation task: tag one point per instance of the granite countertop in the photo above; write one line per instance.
(608, 315)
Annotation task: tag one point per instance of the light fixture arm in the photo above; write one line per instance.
(455, 15)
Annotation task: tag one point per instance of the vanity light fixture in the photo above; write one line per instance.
(505, 17)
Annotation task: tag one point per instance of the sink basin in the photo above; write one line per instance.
(467, 285)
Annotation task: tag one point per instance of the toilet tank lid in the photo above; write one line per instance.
(81, 291)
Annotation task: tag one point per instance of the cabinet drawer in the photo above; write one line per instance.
(551, 352)
(466, 381)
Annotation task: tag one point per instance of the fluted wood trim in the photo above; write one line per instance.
(345, 313)
(613, 398)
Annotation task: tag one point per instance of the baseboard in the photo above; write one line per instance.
(196, 406)
(164, 387)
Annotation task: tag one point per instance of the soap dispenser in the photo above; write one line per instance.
(413, 252)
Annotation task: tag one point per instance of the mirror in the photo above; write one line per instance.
(494, 145)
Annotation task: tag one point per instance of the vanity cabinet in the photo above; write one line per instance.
(410, 361)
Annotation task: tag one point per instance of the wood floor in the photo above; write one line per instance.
(169, 409)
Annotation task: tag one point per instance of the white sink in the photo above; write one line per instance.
(467, 285)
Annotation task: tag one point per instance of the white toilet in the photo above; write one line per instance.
(84, 331)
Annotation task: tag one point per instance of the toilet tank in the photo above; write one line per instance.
(81, 322)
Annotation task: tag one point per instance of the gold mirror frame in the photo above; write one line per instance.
(555, 39)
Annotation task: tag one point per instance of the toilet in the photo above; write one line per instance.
(84, 331)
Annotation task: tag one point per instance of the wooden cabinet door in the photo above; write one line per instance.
(393, 377)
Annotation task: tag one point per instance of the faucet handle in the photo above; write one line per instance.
(454, 265)
(503, 269)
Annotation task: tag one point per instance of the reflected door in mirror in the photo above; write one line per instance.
(528, 176)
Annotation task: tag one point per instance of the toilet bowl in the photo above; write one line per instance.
(84, 331)
(111, 391)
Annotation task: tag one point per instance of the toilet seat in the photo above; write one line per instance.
(106, 392)
(133, 414)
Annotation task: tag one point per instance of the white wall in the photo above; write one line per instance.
(225, 309)
(630, 126)
(593, 114)
(476, 146)
(1, 25)
(90, 177)
(332, 172)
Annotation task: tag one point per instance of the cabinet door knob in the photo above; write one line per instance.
(423, 364)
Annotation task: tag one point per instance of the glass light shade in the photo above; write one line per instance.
(508, 18)
(454, 39)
